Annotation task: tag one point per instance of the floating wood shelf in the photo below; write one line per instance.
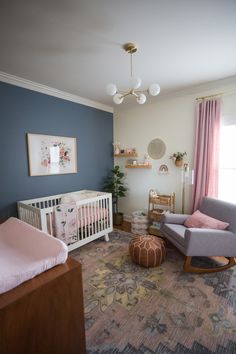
(126, 155)
(138, 166)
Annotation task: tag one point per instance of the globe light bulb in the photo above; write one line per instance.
(135, 82)
(141, 99)
(111, 89)
(118, 98)
(154, 89)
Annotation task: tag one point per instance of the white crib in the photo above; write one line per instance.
(39, 213)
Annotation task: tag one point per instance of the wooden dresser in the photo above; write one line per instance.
(45, 315)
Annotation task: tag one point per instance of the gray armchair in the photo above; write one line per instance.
(204, 242)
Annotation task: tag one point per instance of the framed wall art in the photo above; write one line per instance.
(51, 155)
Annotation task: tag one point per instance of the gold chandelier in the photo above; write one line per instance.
(140, 95)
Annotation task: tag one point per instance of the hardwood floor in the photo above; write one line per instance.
(126, 226)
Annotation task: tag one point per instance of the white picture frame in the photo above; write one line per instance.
(51, 154)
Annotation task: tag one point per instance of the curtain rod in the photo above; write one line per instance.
(204, 97)
(215, 95)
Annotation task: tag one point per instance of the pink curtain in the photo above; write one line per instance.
(206, 158)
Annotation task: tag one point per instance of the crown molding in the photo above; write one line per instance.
(226, 85)
(214, 85)
(34, 86)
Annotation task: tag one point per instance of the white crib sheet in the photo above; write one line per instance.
(26, 252)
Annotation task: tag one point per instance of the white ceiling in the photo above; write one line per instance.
(76, 46)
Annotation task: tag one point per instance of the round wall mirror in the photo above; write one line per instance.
(156, 149)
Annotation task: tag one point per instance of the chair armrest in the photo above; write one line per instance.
(209, 242)
(169, 218)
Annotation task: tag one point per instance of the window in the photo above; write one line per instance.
(227, 171)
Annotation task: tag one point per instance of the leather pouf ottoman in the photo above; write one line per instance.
(147, 251)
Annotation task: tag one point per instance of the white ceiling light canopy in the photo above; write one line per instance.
(135, 83)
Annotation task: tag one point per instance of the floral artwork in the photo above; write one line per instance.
(58, 152)
(51, 154)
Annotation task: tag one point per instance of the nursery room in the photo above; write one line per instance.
(117, 184)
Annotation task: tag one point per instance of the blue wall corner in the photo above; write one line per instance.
(24, 111)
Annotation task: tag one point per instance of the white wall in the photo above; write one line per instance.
(172, 119)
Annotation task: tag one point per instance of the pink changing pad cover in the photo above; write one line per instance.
(26, 252)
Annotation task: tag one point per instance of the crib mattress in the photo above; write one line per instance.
(26, 252)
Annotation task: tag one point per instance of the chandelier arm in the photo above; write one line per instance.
(122, 93)
(126, 94)
(141, 91)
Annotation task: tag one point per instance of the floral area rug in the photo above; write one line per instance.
(131, 309)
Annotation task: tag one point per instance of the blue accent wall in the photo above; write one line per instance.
(24, 111)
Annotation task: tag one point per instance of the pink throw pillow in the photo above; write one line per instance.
(200, 220)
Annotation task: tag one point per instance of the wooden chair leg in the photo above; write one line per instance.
(189, 268)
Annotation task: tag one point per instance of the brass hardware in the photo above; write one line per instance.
(130, 48)
(204, 97)
(217, 94)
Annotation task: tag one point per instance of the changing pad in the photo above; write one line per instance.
(26, 252)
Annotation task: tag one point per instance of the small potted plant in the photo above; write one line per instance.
(178, 158)
(114, 184)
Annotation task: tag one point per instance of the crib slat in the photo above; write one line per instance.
(92, 217)
(97, 209)
(95, 219)
(50, 224)
(109, 212)
(85, 222)
(89, 219)
(104, 213)
(80, 222)
(100, 214)
(34, 219)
